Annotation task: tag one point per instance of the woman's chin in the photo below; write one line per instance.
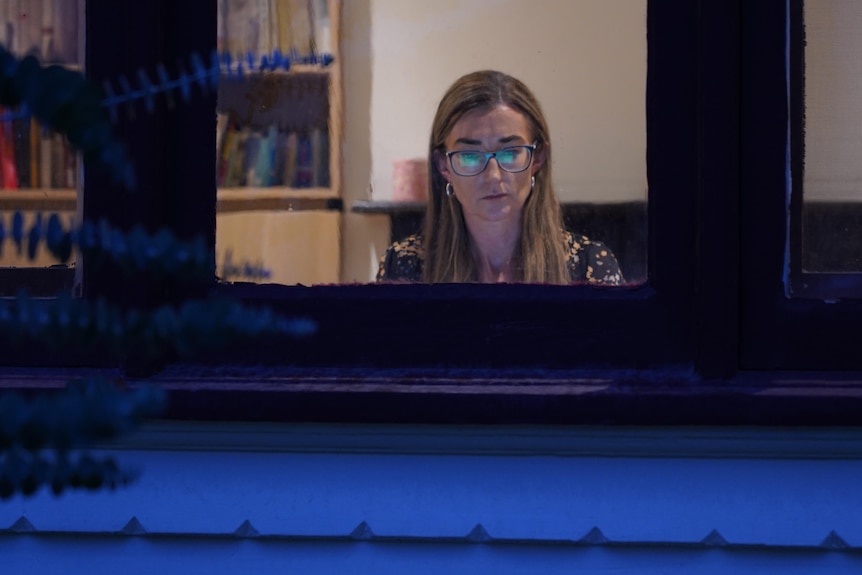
(497, 213)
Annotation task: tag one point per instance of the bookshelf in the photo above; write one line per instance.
(39, 171)
(278, 137)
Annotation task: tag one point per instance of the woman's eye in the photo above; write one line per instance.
(470, 159)
(507, 155)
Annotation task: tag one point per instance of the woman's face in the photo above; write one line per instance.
(494, 195)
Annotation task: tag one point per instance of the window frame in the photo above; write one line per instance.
(780, 331)
(831, 286)
(482, 326)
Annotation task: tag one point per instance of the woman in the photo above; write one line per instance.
(492, 214)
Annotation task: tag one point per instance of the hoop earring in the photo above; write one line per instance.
(532, 182)
(449, 191)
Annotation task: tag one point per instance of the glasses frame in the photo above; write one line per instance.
(531, 148)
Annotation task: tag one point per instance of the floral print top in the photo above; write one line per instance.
(588, 261)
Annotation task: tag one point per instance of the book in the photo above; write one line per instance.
(290, 150)
(263, 168)
(65, 24)
(279, 159)
(280, 25)
(320, 22)
(304, 173)
(34, 143)
(246, 27)
(224, 132)
(30, 28)
(8, 172)
(250, 150)
(320, 157)
(221, 30)
(234, 175)
(236, 16)
(21, 145)
(9, 25)
(222, 124)
(45, 158)
(259, 30)
(301, 27)
(47, 41)
(71, 164)
(58, 161)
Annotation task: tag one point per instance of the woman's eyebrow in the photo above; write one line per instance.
(513, 138)
(474, 142)
(468, 141)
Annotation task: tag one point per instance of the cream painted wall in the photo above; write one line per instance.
(364, 238)
(833, 96)
(584, 59)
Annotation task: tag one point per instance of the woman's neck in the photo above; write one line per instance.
(493, 246)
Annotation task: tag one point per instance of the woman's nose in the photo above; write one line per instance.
(493, 168)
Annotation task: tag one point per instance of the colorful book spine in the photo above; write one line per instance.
(8, 171)
(301, 27)
(65, 16)
(45, 158)
(30, 28)
(34, 143)
(263, 174)
(290, 151)
(320, 21)
(21, 145)
(320, 157)
(234, 175)
(304, 176)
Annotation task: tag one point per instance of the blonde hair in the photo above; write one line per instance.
(540, 256)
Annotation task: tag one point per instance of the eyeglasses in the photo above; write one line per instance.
(472, 163)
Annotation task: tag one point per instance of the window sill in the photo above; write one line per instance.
(414, 396)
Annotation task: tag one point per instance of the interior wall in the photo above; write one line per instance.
(364, 238)
(833, 100)
(585, 60)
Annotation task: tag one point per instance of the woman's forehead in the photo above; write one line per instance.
(499, 122)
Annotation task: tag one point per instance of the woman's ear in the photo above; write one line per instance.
(441, 164)
(539, 157)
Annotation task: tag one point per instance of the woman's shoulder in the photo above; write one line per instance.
(590, 260)
(403, 260)
(409, 246)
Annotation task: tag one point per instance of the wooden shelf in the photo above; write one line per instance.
(61, 200)
(229, 199)
(295, 69)
(387, 207)
(277, 199)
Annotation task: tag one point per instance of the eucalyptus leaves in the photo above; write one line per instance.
(63, 100)
(45, 439)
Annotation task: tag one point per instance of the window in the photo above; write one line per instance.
(700, 342)
(530, 327)
(39, 172)
(781, 330)
(825, 255)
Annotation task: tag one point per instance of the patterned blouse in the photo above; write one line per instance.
(588, 261)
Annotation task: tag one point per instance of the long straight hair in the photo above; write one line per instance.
(540, 256)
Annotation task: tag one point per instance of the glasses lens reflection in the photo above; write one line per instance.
(471, 163)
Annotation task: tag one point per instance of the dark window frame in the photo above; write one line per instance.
(529, 327)
(781, 331)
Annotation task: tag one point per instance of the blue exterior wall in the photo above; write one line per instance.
(398, 499)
